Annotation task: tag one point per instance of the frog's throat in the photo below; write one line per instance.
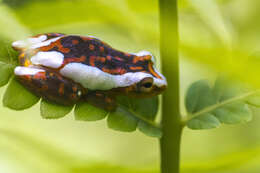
(95, 79)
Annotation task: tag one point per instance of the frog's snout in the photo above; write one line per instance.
(159, 90)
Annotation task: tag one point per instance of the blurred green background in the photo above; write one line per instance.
(212, 34)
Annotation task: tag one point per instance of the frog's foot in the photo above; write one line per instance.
(49, 85)
(101, 100)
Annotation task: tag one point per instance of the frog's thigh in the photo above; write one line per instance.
(49, 85)
(102, 100)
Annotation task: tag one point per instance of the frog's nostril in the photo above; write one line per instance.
(160, 89)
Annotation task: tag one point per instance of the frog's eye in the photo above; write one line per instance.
(146, 84)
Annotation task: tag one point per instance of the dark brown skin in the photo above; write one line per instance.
(52, 86)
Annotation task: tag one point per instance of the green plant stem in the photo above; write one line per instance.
(171, 118)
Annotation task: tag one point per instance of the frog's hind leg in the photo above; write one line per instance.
(49, 85)
(101, 100)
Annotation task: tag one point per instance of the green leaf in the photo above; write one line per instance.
(146, 107)
(149, 130)
(50, 110)
(234, 113)
(143, 111)
(6, 71)
(129, 114)
(17, 97)
(199, 95)
(254, 100)
(7, 54)
(225, 88)
(122, 120)
(226, 104)
(87, 112)
(205, 121)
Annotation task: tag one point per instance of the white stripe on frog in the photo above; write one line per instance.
(95, 79)
(21, 71)
(51, 59)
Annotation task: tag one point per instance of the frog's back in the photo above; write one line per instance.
(65, 49)
(94, 52)
(89, 51)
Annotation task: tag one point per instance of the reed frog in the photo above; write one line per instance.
(66, 69)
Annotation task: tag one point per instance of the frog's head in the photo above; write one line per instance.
(145, 82)
(147, 86)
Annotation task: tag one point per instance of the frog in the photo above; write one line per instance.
(67, 69)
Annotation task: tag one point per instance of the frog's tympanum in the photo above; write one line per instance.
(67, 69)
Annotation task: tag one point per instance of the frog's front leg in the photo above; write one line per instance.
(101, 100)
(50, 85)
